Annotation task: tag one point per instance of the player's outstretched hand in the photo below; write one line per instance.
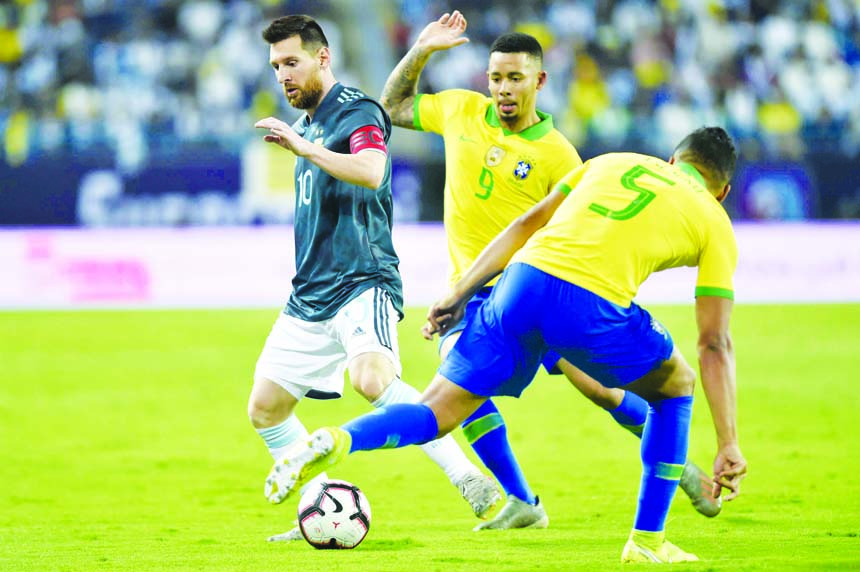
(730, 468)
(283, 135)
(444, 33)
(443, 315)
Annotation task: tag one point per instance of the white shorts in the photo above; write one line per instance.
(310, 358)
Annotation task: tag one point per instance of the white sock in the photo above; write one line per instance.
(445, 452)
(280, 437)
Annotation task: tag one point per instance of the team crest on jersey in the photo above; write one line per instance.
(318, 136)
(494, 156)
(523, 169)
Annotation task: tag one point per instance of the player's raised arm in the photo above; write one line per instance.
(364, 166)
(398, 95)
(717, 367)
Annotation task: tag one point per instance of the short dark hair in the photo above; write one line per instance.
(299, 25)
(518, 43)
(711, 149)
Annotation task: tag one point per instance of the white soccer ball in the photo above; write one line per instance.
(334, 514)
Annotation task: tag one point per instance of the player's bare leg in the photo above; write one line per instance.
(366, 372)
(443, 407)
(270, 409)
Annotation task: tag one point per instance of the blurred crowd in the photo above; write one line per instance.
(133, 78)
(782, 75)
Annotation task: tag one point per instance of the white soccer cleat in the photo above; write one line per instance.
(305, 460)
(481, 492)
(517, 514)
(288, 536)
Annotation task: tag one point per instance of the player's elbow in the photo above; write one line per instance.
(371, 169)
(372, 181)
(529, 222)
(715, 343)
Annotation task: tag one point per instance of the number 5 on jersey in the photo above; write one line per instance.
(628, 181)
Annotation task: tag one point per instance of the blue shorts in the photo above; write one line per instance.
(530, 313)
(549, 360)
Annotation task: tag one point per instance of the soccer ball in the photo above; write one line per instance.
(334, 514)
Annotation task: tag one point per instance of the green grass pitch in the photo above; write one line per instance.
(125, 446)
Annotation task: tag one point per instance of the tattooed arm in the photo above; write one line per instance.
(398, 95)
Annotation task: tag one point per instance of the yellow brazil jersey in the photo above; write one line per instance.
(627, 216)
(492, 175)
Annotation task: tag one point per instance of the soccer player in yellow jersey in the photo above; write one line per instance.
(572, 266)
(503, 156)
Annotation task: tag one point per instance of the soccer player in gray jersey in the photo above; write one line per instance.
(347, 294)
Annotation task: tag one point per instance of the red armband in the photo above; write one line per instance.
(368, 137)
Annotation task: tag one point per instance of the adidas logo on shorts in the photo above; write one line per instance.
(358, 332)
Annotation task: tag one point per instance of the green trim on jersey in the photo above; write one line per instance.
(692, 171)
(416, 113)
(561, 187)
(711, 291)
(532, 133)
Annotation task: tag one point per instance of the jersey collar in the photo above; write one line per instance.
(327, 102)
(532, 133)
(692, 171)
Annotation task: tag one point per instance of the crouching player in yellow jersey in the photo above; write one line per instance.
(503, 156)
(574, 264)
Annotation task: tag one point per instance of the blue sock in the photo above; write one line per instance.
(631, 413)
(664, 452)
(395, 425)
(486, 432)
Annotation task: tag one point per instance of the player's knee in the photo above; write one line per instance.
(368, 382)
(682, 382)
(266, 411)
(261, 414)
(370, 377)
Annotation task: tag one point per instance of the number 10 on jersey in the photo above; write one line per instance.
(304, 185)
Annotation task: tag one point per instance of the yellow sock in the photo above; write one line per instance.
(648, 539)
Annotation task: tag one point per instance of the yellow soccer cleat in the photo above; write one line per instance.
(324, 448)
(653, 548)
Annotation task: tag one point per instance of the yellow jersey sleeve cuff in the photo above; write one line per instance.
(416, 114)
(712, 291)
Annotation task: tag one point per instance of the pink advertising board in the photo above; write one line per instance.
(253, 266)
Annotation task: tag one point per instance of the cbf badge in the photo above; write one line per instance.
(523, 169)
(494, 156)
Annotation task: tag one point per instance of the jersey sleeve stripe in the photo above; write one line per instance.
(561, 187)
(416, 112)
(713, 291)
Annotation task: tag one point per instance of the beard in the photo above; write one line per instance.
(309, 95)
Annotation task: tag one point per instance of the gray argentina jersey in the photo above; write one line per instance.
(342, 231)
